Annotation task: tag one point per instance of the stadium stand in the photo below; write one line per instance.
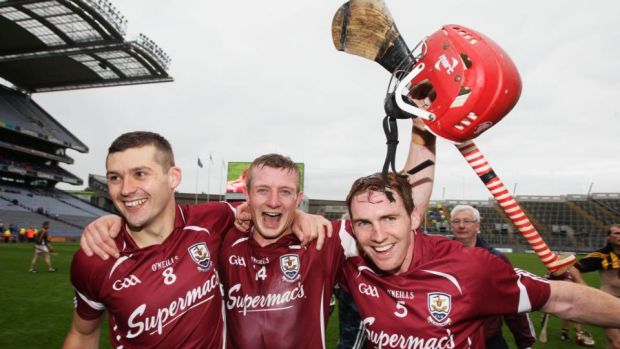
(53, 45)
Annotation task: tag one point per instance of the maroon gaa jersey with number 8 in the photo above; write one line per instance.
(441, 300)
(167, 295)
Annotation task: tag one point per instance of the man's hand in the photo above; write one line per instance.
(308, 227)
(98, 237)
(243, 217)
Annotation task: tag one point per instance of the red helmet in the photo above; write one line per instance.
(461, 83)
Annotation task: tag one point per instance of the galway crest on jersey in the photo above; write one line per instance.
(439, 306)
(289, 264)
(200, 254)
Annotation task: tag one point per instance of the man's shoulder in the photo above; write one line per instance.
(439, 248)
(86, 267)
(438, 243)
(235, 236)
(207, 213)
(208, 207)
(601, 253)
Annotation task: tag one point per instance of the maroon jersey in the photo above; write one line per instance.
(278, 296)
(167, 295)
(441, 300)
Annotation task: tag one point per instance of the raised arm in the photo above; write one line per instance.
(575, 302)
(83, 334)
(421, 148)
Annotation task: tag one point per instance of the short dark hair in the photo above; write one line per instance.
(274, 161)
(138, 139)
(374, 183)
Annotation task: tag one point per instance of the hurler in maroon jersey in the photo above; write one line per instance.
(277, 291)
(417, 291)
(164, 295)
(164, 290)
(277, 296)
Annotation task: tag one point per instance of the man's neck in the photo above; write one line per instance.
(154, 233)
(262, 241)
(409, 258)
(468, 242)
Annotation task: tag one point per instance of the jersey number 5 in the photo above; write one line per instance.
(401, 310)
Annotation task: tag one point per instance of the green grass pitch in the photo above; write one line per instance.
(36, 309)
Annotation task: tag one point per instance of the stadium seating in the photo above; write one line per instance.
(31, 206)
(19, 112)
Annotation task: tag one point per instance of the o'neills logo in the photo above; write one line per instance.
(155, 321)
(382, 339)
(271, 301)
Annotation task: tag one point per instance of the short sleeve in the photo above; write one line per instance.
(86, 301)
(500, 289)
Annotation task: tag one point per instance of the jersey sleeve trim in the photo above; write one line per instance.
(347, 241)
(91, 303)
(524, 298)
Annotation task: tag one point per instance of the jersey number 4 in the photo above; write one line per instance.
(262, 273)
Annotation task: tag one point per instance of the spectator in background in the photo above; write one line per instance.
(7, 236)
(42, 248)
(30, 235)
(465, 222)
(607, 262)
(22, 234)
(13, 231)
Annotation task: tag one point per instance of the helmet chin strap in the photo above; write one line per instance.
(390, 128)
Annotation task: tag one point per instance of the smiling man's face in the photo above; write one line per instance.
(273, 198)
(140, 186)
(383, 230)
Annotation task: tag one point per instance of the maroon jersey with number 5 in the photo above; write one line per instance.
(278, 296)
(167, 295)
(442, 298)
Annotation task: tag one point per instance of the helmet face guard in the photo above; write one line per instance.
(459, 82)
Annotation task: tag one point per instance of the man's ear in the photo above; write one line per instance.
(300, 198)
(174, 176)
(246, 192)
(415, 220)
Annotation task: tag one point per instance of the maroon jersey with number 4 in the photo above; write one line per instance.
(441, 300)
(167, 295)
(278, 296)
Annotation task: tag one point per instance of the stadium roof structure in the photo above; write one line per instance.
(52, 45)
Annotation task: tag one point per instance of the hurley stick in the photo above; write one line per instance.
(365, 28)
(543, 331)
(496, 187)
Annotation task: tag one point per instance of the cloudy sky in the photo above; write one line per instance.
(253, 77)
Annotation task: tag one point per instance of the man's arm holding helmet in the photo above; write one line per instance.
(421, 148)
